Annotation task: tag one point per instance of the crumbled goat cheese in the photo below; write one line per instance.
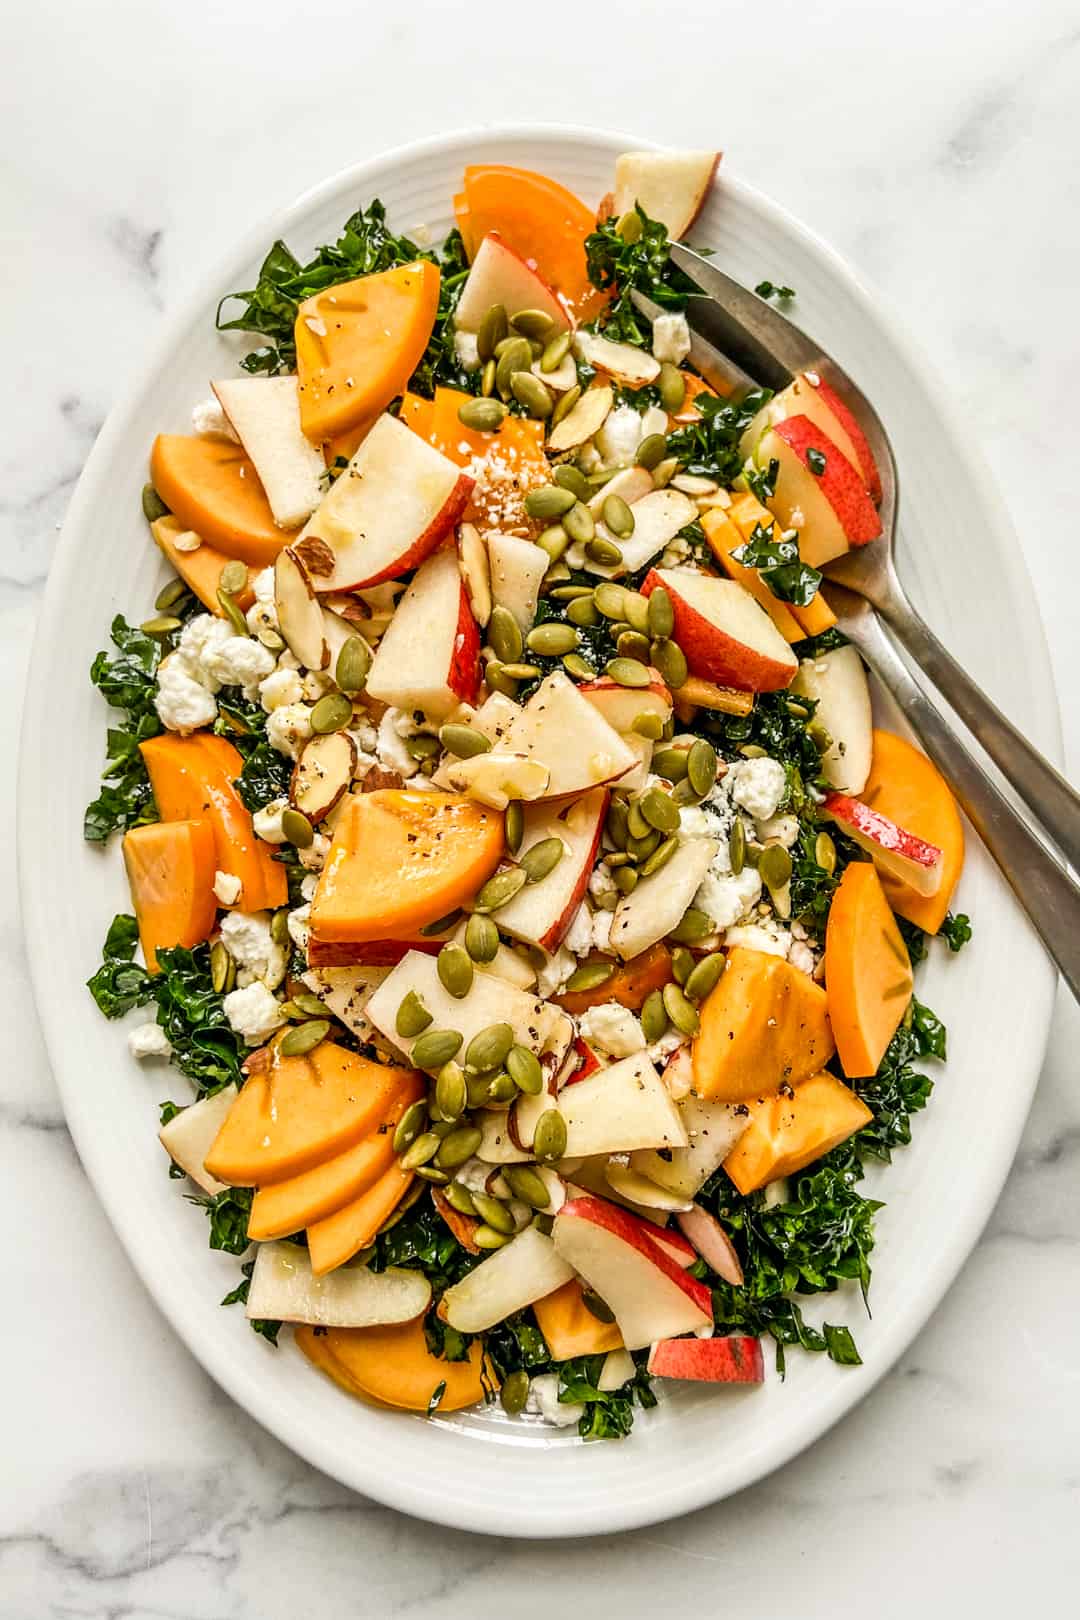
(543, 1401)
(300, 927)
(555, 971)
(613, 1028)
(764, 935)
(677, 554)
(261, 620)
(802, 957)
(280, 687)
(247, 938)
(187, 541)
(602, 883)
(239, 661)
(671, 339)
(781, 829)
(209, 421)
(263, 586)
(288, 728)
(601, 929)
(758, 785)
(727, 899)
(253, 1012)
(308, 885)
(390, 745)
(313, 859)
(661, 1049)
(148, 1040)
(466, 350)
(183, 704)
(201, 640)
(227, 888)
(620, 435)
(267, 821)
(579, 935)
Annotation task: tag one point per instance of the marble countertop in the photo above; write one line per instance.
(934, 145)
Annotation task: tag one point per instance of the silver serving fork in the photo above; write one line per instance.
(740, 343)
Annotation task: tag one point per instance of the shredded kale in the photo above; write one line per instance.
(264, 1327)
(228, 1214)
(709, 448)
(767, 289)
(955, 930)
(127, 682)
(761, 481)
(617, 265)
(517, 1344)
(266, 773)
(776, 557)
(120, 983)
(422, 1241)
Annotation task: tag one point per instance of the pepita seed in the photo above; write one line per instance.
(580, 525)
(441, 924)
(169, 595)
(664, 472)
(525, 1184)
(463, 741)
(455, 970)
(530, 392)
(659, 857)
(231, 610)
(659, 810)
(482, 415)
(220, 965)
(279, 926)
(304, 1038)
(410, 1125)
(501, 1089)
(670, 763)
(489, 1048)
(683, 1013)
(632, 645)
(627, 672)
(695, 926)
(596, 1306)
(589, 975)
(820, 738)
(438, 1178)
(610, 600)
(516, 356)
(297, 829)
(648, 725)
(540, 860)
(311, 1006)
(476, 1089)
(420, 1151)
(522, 672)
(671, 385)
(549, 501)
(554, 541)
(549, 1138)
(706, 976)
(515, 826)
(162, 625)
(669, 658)
(524, 1070)
(487, 378)
(533, 323)
(651, 451)
(799, 710)
(422, 746)
(617, 825)
(682, 964)
(626, 879)
(752, 751)
(486, 1237)
(582, 611)
(435, 1047)
(504, 635)
(737, 846)
(566, 404)
(555, 352)
(459, 1146)
(683, 793)
(618, 516)
(504, 343)
(491, 331)
(493, 1213)
(152, 504)
(552, 639)
(636, 824)
(637, 611)
(233, 577)
(825, 852)
(332, 713)
(654, 1018)
(460, 1198)
(353, 664)
(774, 866)
(701, 767)
(514, 1393)
(567, 476)
(570, 593)
(578, 667)
(629, 226)
(481, 939)
(604, 552)
(661, 618)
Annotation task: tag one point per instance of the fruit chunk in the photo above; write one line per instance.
(659, 902)
(712, 1243)
(192, 777)
(429, 656)
(906, 787)
(538, 219)
(569, 1327)
(299, 612)
(867, 969)
(500, 276)
(200, 569)
(563, 730)
(658, 517)
(517, 567)
(731, 1359)
(347, 991)
(301, 1111)
(712, 1129)
(284, 1289)
(628, 985)
(837, 682)
(358, 343)
(495, 778)
(335, 1239)
(212, 487)
(265, 416)
(651, 1296)
(526, 1269)
(809, 396)
(170, 871)
(726, 636)
(541, 912)
(829, 507)
(788, 1132)
(417, 414)
(619, 1109)
(725, 536)
(400, 860)
(188, 1136)
(892, 849)
(764, 1025)
(669, 186)
(394, 1365)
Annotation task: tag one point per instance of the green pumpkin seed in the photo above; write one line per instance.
(233, 577)
(683, 793)
(332, 713)
(580, 524)
(670, 763)
(463, 741)
(530, 392)
(552, 639)
(533, 323)
(504, 638)
(514, 1393)
(353, 664)
(441, 924)
(651, 451)
(487, 378)
(311, 1006)
(527, 1185)
(631, 645)
(752, 751)
(459, 1146)
(695, 926)
(659, 810)
(774, 866)
(610, 600)
(618, 516)
(297, 829)
(279, 926)
(672, 388)
(410, 1125)
(493, 1213)
(820, 738)
(596, 1306)
(636, 824)
(482, 415)
(799, 710)
(661, 618)
(617, 825)
(589, 975)
(435, 1047)
(163, 625)
(455, 970)
(567, 476)
(664, 472)
(636, 611)
(515, 826)
(501, 1089)
(222, 967)
(169, 595)
(641, 848)
(489, 1048)
(549, 1138)
(626, 879)
(428, 1172)
(504, 343)
(516, 356)
(481, 939)
(705, 976)
(549, 501)
(627, 672)
(582, 611)
(304, 1038)
(654, 1018)
(753, 854)
(152, 504)
(555, 352)
(491, 331)
(683, 1013)
(231, 610)
(578, 667)
(554, 541)
(540, 860)
(486, 1237)
(420, 1151)
(566, 404)
(476, 1089)
(604, 552)
(701, 767)
(423, 746)
(648, 725)
(825, 852)
(440, 1127)
(570, 593)
(522, 672)
(524, 1070)
(459, 1197)
(737, 846)
(668, 657)
(629, 226)
(659, 857)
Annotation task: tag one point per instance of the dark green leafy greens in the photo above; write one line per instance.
(621, 266)
(768, 289)
(709, 448)
(266, 772)
(775, 555)
(120, 983)
(126, 680)
(264, 1327)
(955, 930)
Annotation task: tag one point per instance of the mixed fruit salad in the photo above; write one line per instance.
(516, 872)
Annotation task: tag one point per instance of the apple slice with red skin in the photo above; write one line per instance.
(712, 1243)
(837, 682)
(650, 1294)
(726, 636)
(621, 705)
(429, 655)
(328, 953)
(500, 276)
(586, 1062)
(299, 613)
(892, 848)
(541, 913)
(670, 186)
(394, 503)
(734, 1358)
(808, 395)
(831, 507)
(566, 733)
(674, 1244)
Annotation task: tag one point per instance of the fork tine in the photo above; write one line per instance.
(760, 339)
(721, 373)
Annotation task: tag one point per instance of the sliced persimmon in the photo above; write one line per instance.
(790, 1131)
(514, 464)
(905, 786)
(358, 343)
(816, 617)
(301, 1111)
(394, 1366)
(629, 985)
(345, 445)
(212, 487)
(418, 413)
(192, 778)
(458, 443)
(570, 1328)
(400, 860)
(867, 970)
(688, 410)
(544, 223)
(725, 536)
(286, 1207)
(746, 512)
(335, 1239)
(765, 1025)
(199, 569)
(170, 870)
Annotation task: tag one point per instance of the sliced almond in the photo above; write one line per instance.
(638, 1189)
(475, 571)
(634, 367)
(299, 612)
(562, 379)
(462, 1226)
(494, 779)
(587, 417)
(322, 774)
(522, 1118)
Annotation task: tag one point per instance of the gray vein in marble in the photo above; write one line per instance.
(139, 248)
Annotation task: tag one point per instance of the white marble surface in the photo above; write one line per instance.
(935, 145)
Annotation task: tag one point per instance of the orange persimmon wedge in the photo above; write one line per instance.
(285, 1207)
(745, 512)
(906, 787)
(540, 220)
(816, 617)
(725, 537)
(867, 970)
(212, 487)
(418, 413)
(790, 1131)
(458, 443)
(764, 1025)
(301, 1111)
(335, 1239)
(629, 985)
(192, 778)
(400, 860)
(570, 1328)
(200, 570)
(170, 869)
(688, 411)
(358, 343)
(393, 1365)
(515, 463)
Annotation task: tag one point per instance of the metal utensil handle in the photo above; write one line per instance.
(1052, 802)
(1043, 888)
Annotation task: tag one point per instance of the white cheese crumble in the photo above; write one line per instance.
(227, 888)
(466, 350)
(253, 1013)
(288, 728)
(802, 957)
(618, 439)
(543, 1401)
(313, 859)
(247, 938)
(183, 704)
(613, 1028)
(300, 927)
(148, 1040)
(578, 937)
(281, 686)
(764, 935)
(554, 972)
(390, 745)
(267, 821)
(780, 829)
(239, 661)
(209, 421)
(758, 786)
(727, 899)
(671, 338)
